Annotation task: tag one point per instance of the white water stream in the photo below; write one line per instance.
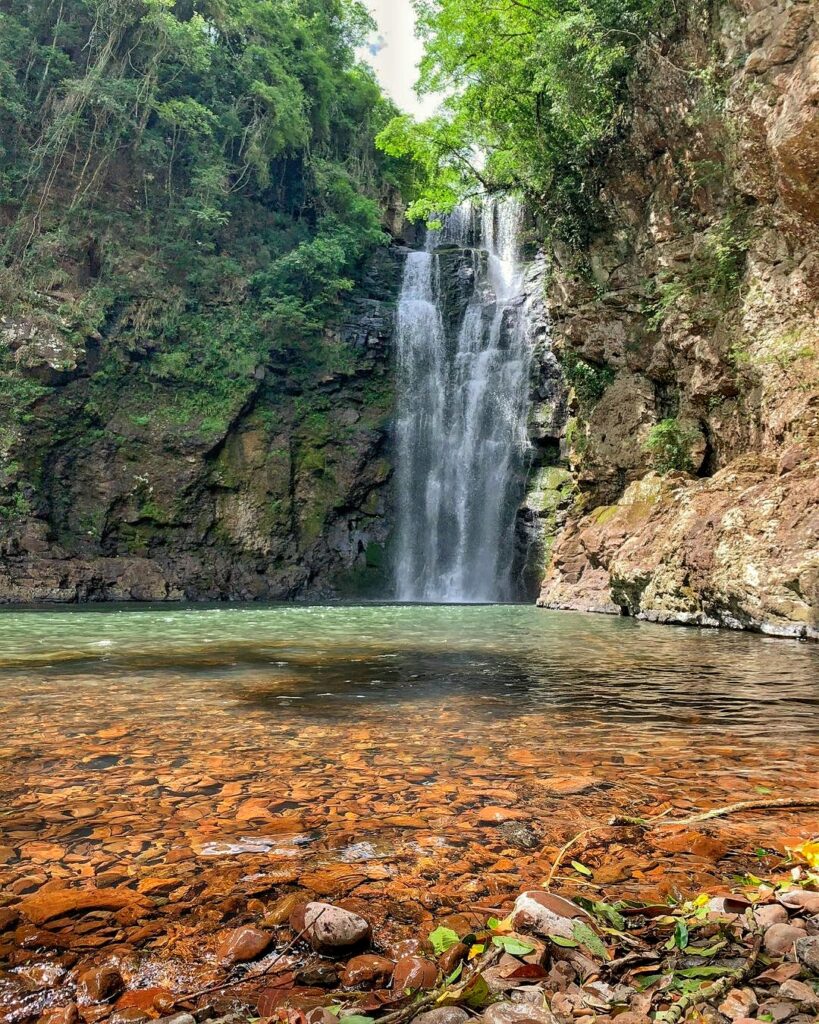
(464, 356)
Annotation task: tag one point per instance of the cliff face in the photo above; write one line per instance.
(283, 495)
(696, 323)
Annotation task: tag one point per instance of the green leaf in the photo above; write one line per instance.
(492, 923)
(680, 937)
(706, 950)
(513, 945)
(443, 939)
(712, 971)
(590, 939)
(558, 940)
(335, 1010)
(455, 974)
(611, 914)
(357, 1018)
(581, 868)
(763, 790)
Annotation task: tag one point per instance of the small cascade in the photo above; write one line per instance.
(464, 356)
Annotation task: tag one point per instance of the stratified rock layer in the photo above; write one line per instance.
(703, 304)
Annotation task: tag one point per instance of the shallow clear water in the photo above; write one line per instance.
(415, 758)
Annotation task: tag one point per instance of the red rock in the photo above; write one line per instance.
(8, 918)
(770, 914)
(450, 959)
(45, 906)
(243, 944)
(98, 984)
(67, 1014)
(498, 815)
(739, 1002)
(367, 970)
(413, 973)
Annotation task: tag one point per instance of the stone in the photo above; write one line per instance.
(807, 952)
(451, 957)
(800, 899)
(243, 944)
(367, 970)
(443, 1015)
(780, 939)
(331, 929)
(770, 914)
(68, 1014)
(97, 984)
(517, 1013)
(776, 1010)
(499, 815)
(414, 973)
(739, 1002)
(801, 993)
(545, 914)
(45, 906)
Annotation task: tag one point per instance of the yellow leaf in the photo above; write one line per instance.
(807, 851)
(476, 950)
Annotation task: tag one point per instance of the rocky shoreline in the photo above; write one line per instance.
(746, 954)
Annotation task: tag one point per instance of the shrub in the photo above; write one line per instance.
(588, 379)
(670, 443)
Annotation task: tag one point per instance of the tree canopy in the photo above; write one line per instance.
(535, 89)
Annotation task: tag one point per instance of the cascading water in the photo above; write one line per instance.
(464, 356)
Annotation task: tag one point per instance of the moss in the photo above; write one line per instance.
(604, 514)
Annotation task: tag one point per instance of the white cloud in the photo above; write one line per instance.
(395, 54)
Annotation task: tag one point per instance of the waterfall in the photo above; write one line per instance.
(463, 364)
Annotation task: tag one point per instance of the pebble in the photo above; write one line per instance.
(450, 959)
(330, 929)
(770, 914)
(243, 944)
(740, 1002)
(800, 899)
(807, 952)
(443, 1015)
(99, 983)
(780, 938)
(776, 1010)
(414, 973)
(800, 993)
(367, 970)
(516, 1013)
(67, 1014)
(177, 1018)
(545, 914)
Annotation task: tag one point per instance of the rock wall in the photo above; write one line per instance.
(288, 498)
(697, 309)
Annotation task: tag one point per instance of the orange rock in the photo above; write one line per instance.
(498, 815)
(367, 970)
(243, 944)
(414, 973)
(98, 984)
(45, 906)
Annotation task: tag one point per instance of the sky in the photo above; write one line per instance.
(394, 52)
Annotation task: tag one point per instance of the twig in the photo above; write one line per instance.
(717, 812)
(709, 993)
(561, 853)
(258, 974)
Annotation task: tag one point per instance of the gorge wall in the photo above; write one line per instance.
(691, 338)
(127, 493)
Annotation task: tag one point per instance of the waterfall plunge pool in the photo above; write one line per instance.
(413, 758)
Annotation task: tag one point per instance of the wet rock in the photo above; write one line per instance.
(8, 918)
(330, 929)
(545, 914)
(519, 835)
(739, 1002)
(807, 952)
(98, 984)
(45, 906)
(450, 959)
(800, 993)
(443, 1015)
(770, 914)
(499, 815)
(414, 973)
(517, 1013)
(129, 1015)
(317, 974)
(243, 944)
(280, 911)
(780, 939)
(68, 1014)
(367, 970)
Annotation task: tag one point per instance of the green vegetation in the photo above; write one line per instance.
(195, 185)
(670, 445)
(539, 88)
(588, 379)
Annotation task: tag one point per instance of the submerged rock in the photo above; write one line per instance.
(98, 984)
(367, 969)
(243, 944)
